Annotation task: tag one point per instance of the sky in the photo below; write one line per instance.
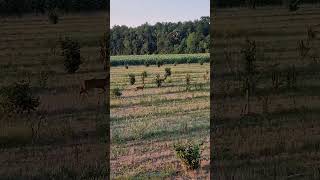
(136, 12)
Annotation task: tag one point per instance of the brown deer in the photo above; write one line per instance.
(93, 84)
(139, 87)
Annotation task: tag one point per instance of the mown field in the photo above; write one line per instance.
(146, 123)
(69, 140)
(279, 138)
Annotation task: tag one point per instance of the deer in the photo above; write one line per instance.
(93, 84)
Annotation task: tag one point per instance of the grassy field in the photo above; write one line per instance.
(146, 123)
(70, 135)
(279, 137)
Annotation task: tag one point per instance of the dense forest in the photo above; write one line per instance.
(236, 3)
(161, 38)
(20, 7)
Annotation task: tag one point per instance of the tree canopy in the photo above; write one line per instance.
(161, 38)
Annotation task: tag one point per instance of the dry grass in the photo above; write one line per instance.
(70, 139)
(281, 143)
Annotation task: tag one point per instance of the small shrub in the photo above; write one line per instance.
(188, 80)
(18, 98)
(43, 79)
(71, 52)
(144, 74)
(146, 63)
(159, 63)
(189, 154)
(127, 66)
(132, 79)
(167, 71)
(158, 80)
(53, 16)
(117, 92)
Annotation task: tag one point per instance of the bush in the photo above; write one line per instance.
(146, 63)
(167, 71)
(43, 78)
(116, 92)
(158, 80)
(159, 63)
(188, 79)
(18, 98)
(71, 52)
(53, 16)
(144, 74)
(132, 79)
(189, 154)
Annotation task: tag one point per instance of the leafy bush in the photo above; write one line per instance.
(159, 63)
(53, 16)
(146, 63)
(18, 98)
(188, 80)
(144, 74)
(167, 71)
(189, 154)
(116, 92)
(43, 78)
(158, 80)
(71, 52)
(132, 79)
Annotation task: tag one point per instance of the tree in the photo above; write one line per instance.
(161, 38)
(192, 43)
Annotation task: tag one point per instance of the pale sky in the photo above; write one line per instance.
(136, 12)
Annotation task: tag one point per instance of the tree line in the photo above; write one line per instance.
(161, 38)
(20, 7)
